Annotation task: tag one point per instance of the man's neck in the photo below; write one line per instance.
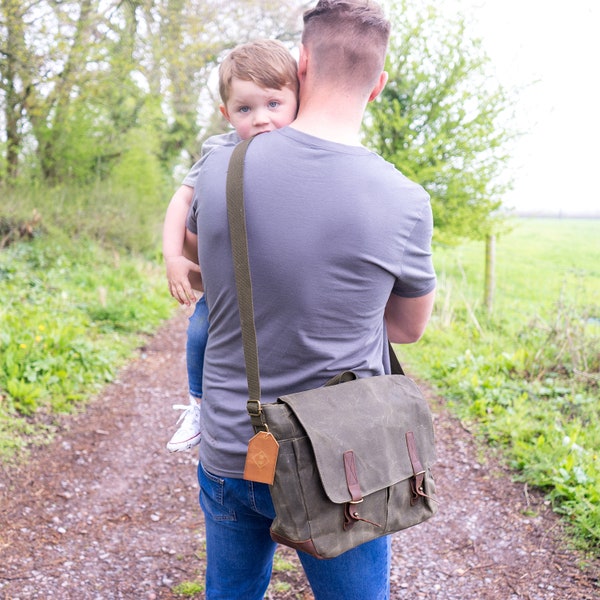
(335, 121)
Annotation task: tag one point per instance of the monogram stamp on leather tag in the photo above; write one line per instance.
(261, 459)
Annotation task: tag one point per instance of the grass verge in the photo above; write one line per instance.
(525, 376)
(71, 314)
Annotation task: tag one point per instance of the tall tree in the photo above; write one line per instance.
(16, 65)
(440, 120)
(59, 56)
(77, 77)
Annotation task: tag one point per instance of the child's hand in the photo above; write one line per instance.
(179, 269)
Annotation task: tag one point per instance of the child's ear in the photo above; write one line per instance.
(223, 110)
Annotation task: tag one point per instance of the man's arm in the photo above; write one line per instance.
(406, 318)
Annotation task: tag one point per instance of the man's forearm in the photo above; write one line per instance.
(407, 318)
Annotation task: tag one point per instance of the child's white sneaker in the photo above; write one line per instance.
(188, 434)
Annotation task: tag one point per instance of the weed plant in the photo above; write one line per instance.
(526, 376)
(75, 301)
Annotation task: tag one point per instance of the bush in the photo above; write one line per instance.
(115, 216)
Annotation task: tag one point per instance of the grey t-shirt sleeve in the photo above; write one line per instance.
(418, 276)
(215, 141)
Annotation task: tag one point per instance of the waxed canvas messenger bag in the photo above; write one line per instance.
(354, 463)
(347, 462)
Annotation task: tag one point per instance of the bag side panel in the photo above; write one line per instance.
(292, 519)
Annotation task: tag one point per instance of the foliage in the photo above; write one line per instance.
(124, 213)
(526, 378)
(79, 285)
(91, 89)
(71, 315)
(79, 79)
(439, 120)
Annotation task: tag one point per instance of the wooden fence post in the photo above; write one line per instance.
(490, 265)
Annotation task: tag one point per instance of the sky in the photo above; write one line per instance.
(557, 45)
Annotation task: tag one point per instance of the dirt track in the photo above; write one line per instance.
(105, 512)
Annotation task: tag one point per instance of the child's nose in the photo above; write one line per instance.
(260, 117)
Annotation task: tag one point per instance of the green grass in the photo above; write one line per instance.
(80, 287)
(188, 588)
(526, 376)
(126, 219)
(71, 313)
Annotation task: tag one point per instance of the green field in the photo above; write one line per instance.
(526, 375)
(539, 262)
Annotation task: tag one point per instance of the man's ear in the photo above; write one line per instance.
(302, 61)
(383, 78)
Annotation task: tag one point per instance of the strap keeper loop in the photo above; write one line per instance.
(254, 408)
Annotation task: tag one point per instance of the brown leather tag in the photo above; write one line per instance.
(261, 458)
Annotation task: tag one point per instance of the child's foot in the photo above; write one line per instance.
(188, 434)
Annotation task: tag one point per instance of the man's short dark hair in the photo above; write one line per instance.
(348, 39)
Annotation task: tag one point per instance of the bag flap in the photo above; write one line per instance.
(376, 412)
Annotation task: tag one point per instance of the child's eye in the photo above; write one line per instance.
(244, 109)
(274, 103)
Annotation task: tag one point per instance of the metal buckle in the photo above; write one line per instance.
(254, 408)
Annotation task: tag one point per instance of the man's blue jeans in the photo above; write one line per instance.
(240, 551)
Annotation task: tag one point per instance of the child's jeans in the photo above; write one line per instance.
(197, 336)
(239, 549)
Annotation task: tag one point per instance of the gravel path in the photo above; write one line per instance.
(105, 512)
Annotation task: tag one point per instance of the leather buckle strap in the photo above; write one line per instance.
(417, 467)
(351, 514)
(352, 478)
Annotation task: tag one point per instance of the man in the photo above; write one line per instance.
(339, 245)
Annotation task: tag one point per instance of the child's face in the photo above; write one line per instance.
(252, 109)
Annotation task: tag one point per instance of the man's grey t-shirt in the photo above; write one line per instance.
(333, 230)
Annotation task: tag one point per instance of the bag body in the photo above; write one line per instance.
(354, 463)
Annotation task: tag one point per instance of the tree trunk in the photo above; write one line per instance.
(13, 55)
